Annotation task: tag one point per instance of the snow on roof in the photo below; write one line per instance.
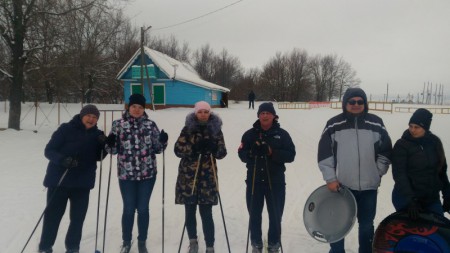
(174, 69)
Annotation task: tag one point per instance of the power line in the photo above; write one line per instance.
(192, 19)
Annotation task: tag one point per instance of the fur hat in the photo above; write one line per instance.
(354, 92)
(201, 105)
(266, 107)
(89, 109)
(137, 99)
(422, 117)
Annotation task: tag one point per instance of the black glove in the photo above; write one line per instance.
(260, 148)
(102, 139)
(446, 204)
(111, 140)
(414, 209)
(163, 137)
(204, 146)
(69, 162)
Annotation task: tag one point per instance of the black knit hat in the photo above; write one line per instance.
(89, 109)
(137, 99)
(354, 92)
(266, 107)
(422, 117)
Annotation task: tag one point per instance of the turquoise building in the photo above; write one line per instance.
(168, 82)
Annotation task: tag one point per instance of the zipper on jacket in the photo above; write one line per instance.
(359, 158)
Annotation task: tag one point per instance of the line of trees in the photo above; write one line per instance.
(71, 51)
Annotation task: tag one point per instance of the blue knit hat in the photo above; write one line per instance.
(266, 107)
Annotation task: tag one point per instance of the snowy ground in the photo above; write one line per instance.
(23, 167)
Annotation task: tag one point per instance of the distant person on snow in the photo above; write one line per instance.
(419, 169)
(354, 152)
(73, 152)
(251, 100)
(265, 148)
(136, 140)
(200, 143)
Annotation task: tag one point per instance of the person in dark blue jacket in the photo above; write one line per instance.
(73, 152)
(265, 148)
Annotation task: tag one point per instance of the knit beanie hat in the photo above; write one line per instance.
(89, 109)
(201, 105)
(422, 117)
(266, 107)
(354, 92)
(137, 99)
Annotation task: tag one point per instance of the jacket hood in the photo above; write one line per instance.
(354, 92)
(214, 124)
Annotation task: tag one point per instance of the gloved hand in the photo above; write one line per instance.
(414, 209)
(260, 148)
(207, 146)
(69, 162)
(111, 140)
(163, 137)
(102, 139)
(446, 204)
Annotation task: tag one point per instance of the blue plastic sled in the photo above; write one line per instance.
(430, 233)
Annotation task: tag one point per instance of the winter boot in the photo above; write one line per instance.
(126, 246)
(46, 250)
(209, 249)
(273, 248)
(142, 248)
(193, 246)
(72, 251)
(257, 248)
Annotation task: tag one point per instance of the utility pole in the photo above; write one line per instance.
(144, 66)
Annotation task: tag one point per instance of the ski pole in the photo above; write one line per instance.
(107, 200)
(46, 206)
(182, 235)
(196, 173)
(251, 204)
(98, 204)
(220, 200)
(192, 193)
(275, 209)
(163, 188)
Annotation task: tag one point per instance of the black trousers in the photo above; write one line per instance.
(207, 222)
(275, 208)
(56, 207)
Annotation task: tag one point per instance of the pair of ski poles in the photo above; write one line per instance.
(218, 195)
(276, 211)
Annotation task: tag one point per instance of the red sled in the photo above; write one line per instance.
(430, 233)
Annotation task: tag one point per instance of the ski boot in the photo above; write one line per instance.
(209, 249)
(126, 246)
(193, 246)
(142, 248)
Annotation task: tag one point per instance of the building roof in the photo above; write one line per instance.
(174, 69)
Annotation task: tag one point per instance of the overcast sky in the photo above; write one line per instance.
(403, 43)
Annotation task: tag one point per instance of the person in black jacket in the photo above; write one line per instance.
(251, 100)
(73, 151)
(419, 169)
(265, 148)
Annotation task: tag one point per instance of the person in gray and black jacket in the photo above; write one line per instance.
(354, 152)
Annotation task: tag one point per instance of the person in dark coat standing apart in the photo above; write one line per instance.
(354, 152)
(265, 148)
(73, 152)
(136, 140)
(251, 100)
(200, 143)
(419, 169)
